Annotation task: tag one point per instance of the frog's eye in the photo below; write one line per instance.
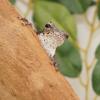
(48, 26)
(47, 33)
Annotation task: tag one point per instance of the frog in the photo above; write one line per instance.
(51, 38)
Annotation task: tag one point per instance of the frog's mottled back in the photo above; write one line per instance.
(51, 38)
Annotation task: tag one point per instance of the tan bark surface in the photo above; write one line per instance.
(26, 72)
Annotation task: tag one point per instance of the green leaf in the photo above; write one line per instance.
(98, 7)
(97, 53)
(46, 11)
(96, 78)
(72, 5)
(75, 6)
(69, 60)
(85, 4)
(13, 1)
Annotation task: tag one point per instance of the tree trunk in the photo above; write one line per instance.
(26, 72)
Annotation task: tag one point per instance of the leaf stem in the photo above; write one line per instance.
(92, 63)
(86, 19)
(86, 55)
(95, 97)
(98, 27)
(85, 51)
(81, 82)
(24, 2)
(78, 46)
(29, 8)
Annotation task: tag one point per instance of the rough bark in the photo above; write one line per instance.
(26, 72)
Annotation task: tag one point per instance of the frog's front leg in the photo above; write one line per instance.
(54, 62)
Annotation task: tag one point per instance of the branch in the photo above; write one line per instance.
(26, 72)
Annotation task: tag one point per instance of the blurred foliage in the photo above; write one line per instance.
(96, 73)
(98, 6)
(69, 59)
(96, 78)
(75, 6)
(13, 1)
(97, 53)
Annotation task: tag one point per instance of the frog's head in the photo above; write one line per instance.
(51, 30)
